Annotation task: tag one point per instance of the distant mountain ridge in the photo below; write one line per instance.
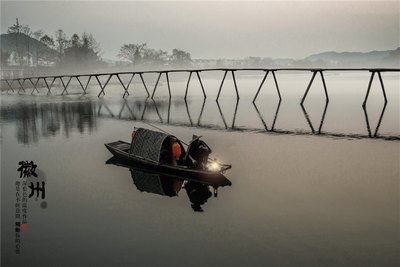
(333, 55)
(376, 58)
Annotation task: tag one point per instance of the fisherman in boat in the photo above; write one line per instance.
(197, 153)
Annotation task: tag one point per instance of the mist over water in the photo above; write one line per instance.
(342, 116)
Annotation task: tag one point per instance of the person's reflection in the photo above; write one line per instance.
(198, 194)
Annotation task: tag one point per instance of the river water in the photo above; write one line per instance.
(311, 186)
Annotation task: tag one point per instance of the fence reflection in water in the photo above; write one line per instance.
(47, 119)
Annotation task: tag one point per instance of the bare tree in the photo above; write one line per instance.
(75, 40)
(180, 57)
(15, 28)
(132, 52)
(61, 42)
(25, 29)
(154, 57)
(26, 32)
(48, 41)
(46, 51)
(91, 43)
(82, 51)
(38, 34)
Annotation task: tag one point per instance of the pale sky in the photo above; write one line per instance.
(276, 29)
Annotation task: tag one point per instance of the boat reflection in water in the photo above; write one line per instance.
(170, 185)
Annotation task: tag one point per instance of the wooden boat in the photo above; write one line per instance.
(161, 177)
(144, 152)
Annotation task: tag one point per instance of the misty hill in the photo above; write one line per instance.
(388, 58)
(24, 45)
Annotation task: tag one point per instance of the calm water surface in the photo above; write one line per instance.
(297, 198)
